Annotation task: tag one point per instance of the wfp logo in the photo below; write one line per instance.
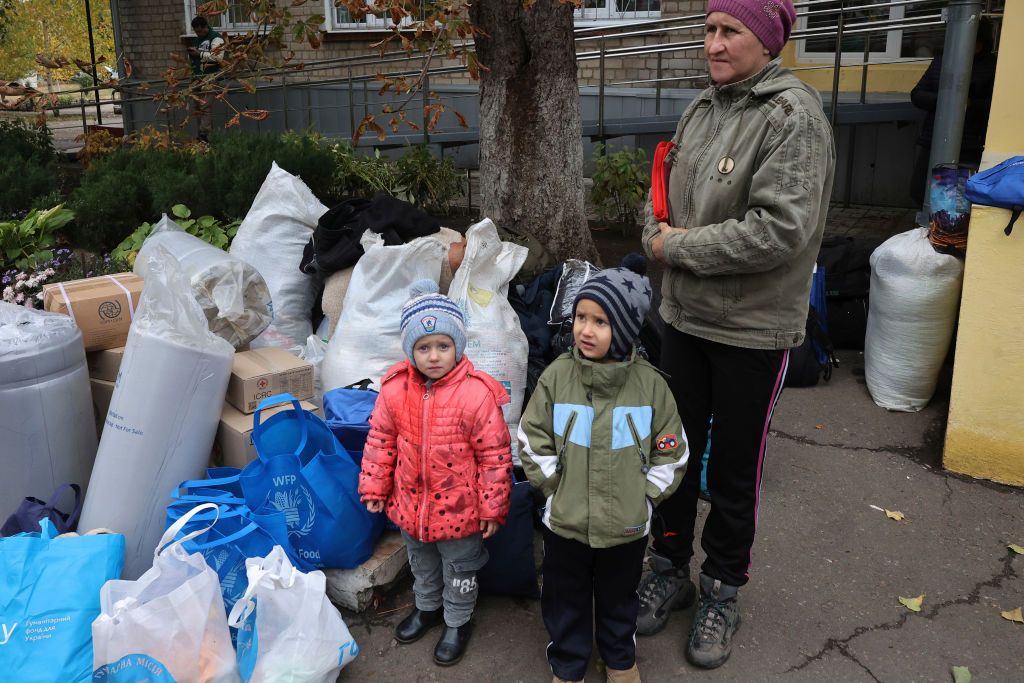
(296, 502)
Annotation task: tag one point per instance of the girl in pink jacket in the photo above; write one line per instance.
(438, 459)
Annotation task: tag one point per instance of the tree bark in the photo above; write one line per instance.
(531, 127)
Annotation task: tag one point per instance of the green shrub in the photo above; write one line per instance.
(621, 180)
(416, 177)
(206, 228)
(134, 184)
(129, 187)
(29, 242)
(432, 184)
(28, 167)
(362, 175)
(238, 162)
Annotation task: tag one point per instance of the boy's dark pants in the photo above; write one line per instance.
(740, 388)
(586, 590)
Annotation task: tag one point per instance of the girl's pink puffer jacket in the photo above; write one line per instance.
(441, 457)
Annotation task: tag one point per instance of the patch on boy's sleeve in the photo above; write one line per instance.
(667, 442)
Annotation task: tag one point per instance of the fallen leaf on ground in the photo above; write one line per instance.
(912, 604)
(961, 674)
(895, 514)
(1013, 615)
(819, 426)
(1016, 548)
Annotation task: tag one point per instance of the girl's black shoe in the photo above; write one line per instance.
(414, 626)
(452, 644)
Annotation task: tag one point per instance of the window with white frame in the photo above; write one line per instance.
(896, 44)
(340, 19)
(592, 12)
(237, 17)
(596, 11)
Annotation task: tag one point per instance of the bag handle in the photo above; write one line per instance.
(299, 414)
(231, 538)
(167, 540)
(279, 568)
(363, 384)
(76, 511)
(1013, 219)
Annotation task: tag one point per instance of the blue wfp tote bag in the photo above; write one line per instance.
(234, 535)
(302, 471)
(49, 596)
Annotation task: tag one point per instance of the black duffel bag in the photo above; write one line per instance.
(847, 281)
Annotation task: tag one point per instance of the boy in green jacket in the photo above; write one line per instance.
(601, 438)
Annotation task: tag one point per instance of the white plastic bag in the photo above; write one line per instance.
(368, 339)
(289, 632)
(915, 296)
(232, 293)
(495, 340)
(313, 353)
(167, 626)
(574, 274)
(163, 415)
(275, 231)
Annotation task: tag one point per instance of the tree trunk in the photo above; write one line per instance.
(531, 148)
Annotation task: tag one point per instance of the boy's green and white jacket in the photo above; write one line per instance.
(602, 442)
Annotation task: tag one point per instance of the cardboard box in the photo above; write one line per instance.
(102, 392)
(264, 372)
(105, 364)
(233, 447)
(102, 307)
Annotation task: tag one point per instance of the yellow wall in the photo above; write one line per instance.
(881, 77)
(985, 436)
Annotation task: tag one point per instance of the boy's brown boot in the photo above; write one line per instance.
(631, 675)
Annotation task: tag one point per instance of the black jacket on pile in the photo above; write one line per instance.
(335, 242)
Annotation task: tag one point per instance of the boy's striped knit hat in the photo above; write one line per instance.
(625, 295)
(429, 312)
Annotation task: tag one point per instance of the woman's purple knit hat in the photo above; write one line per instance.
(769, 20)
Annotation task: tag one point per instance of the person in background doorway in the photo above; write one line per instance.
(925, 95)
(749, 183)
(205, 54)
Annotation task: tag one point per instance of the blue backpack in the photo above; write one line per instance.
(1001, 186)
(347, 411)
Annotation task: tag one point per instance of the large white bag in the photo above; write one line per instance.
(275, 231)
(368, 338)
(232, 294)
(163, 416)
(495, 340)
(289, 632)
(915, 296)
(169, 625)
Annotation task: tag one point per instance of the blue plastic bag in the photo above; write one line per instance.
(347, 412)
(49, 596)
(302, 471)
(1001, 186)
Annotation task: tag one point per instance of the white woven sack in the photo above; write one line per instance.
(368, 338)
(495, 340)
(915, 297)
(271, 238)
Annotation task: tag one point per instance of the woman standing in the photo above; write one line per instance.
(748, 187)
